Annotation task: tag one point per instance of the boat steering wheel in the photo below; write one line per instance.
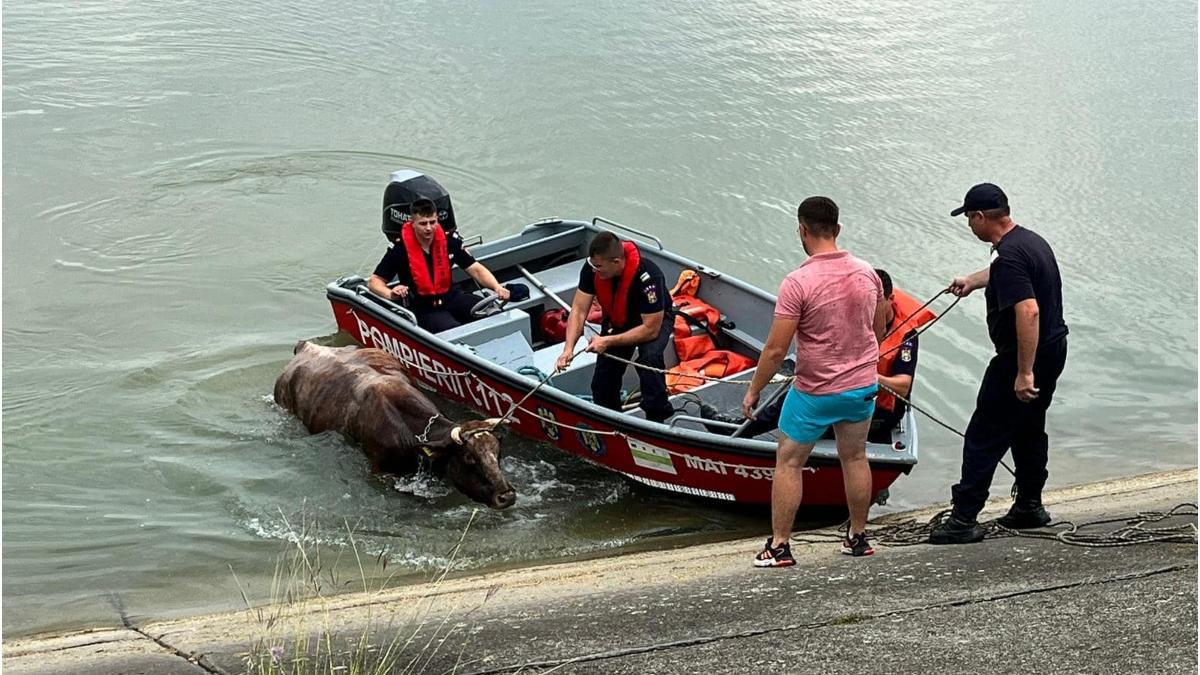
(485, 306)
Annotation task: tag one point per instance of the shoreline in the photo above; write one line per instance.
(529, 589)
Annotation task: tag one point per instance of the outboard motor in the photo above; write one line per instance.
(407, 186)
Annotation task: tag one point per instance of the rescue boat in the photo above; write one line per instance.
(495, 361)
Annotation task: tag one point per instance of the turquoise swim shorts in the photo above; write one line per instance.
(805, 417)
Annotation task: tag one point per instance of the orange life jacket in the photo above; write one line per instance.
(695, 320)
(903, 323)
(715, 363)
(426, 285)
(614, 297)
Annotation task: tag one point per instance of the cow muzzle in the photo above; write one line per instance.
(504, 500)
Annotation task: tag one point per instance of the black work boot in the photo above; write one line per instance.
(956, 530)
(708, 412)
(1025, 514)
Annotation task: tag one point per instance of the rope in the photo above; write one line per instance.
(924, 412)
(598, 432)
(945, 425)
(669, 371)
(775, 379)
(1135, 530)
(545, 379)
(912, 405)
(533, 391)
(533, 371)
(924, 328)
(914, 314)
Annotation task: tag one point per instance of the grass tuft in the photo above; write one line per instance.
(297, 630)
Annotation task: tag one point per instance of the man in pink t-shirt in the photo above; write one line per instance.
(833, 305)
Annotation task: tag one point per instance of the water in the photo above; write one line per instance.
(181, 179)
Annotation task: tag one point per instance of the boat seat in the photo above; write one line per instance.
(561, 280)
(511, 351)
(745, 339)
(577, 378)
(489, 328)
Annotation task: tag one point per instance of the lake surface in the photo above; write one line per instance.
(181, 179)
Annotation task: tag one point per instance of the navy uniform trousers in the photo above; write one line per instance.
(454, 310)
(1002, 422)
(606, 382)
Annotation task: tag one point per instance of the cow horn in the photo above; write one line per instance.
(456, 434)
(494, 422)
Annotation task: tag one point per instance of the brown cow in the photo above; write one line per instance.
(365, 394)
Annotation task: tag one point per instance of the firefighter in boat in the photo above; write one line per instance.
(421, 259)
(633, 296)
(896, 368)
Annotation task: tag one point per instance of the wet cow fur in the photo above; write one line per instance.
(365, 394)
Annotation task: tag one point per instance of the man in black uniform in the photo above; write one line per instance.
(1023, 290)
(421, 258)
(633, 294)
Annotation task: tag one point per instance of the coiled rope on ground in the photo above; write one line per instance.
(1145, 527)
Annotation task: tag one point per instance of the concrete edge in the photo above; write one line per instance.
(475, 587)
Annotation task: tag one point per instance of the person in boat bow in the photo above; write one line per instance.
(633, 296)
(421, 258)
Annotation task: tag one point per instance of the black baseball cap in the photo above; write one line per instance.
(518, 291)
(982, 197)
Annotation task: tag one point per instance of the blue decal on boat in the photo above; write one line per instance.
(592, 441)
(549, 424)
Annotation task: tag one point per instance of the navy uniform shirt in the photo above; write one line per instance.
(1024, 267)
(906, 364)
(395, 262)
(648, 293)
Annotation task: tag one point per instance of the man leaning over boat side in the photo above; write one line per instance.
(833, 304)
(633, 296)
(1023, 290)
(421, 258)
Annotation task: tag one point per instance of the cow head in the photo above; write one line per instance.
(473, 464)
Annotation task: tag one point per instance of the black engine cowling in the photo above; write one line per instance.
(405, 187)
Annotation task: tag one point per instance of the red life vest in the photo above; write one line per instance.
(439, 284)
(614, 301)
(553, 322)
(903, 323)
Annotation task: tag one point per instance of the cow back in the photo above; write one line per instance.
(361, 392)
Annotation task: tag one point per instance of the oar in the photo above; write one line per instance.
(761, 407)
(542, 287)
(561, 303)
